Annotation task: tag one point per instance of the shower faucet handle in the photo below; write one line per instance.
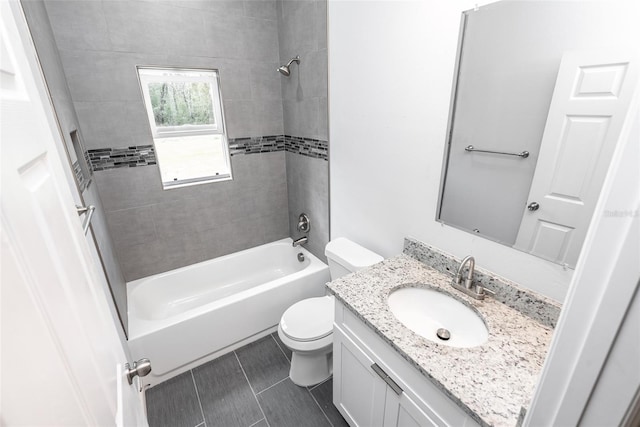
(304, 223)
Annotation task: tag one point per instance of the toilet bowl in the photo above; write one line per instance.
(306, 327)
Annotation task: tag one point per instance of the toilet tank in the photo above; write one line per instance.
(346, 257)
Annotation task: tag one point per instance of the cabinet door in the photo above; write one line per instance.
(358, 392)
(402, 411)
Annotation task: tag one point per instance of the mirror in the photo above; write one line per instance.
(539, 100)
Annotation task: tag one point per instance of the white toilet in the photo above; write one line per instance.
(307, 326)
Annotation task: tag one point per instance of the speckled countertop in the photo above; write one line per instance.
(491, 382)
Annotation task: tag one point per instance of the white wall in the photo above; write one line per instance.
(390, 73)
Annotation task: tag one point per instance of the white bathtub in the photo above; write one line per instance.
(185, 317)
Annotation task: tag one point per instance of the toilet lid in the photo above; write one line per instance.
(309, 319)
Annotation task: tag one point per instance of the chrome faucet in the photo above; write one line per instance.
(300, 241)
(473, 290)
(472, 265)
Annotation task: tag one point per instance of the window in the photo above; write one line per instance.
(184, 108)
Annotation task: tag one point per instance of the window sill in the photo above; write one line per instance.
(171, 186)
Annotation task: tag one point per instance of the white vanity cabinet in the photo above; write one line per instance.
(373, 386)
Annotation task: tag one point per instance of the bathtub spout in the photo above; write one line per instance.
(300, 241)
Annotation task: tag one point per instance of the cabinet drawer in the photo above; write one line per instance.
(426, 395)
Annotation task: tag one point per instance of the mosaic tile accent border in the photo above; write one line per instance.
(536, 306)
(110, 158)
(144, 155)
(309, 147)
(77, 171)
(87, 160)
(256, 144)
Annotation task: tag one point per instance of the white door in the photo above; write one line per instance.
(587, 112)
(61, 357)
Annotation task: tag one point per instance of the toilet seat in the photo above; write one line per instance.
(308, 320)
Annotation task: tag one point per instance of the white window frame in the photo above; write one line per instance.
(148, 75)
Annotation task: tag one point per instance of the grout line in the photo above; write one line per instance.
(193, 378)
(313, 387)
(278, 344)
(320, 407)
(273, 385)
(255, 396)
(256, 423)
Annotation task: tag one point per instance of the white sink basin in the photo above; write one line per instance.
(425, 311)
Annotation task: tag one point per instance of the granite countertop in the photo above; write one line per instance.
(491, 382)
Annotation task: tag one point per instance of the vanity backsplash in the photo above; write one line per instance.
(531, 304)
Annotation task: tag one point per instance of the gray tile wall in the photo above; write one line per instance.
(43, 38)
(307, 180)
(155, 233)
(100, 43)
(303, 31)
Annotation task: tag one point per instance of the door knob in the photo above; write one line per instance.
(533, 206)
(141, 368)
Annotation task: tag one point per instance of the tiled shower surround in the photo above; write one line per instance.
(281, 121)
(144, 155)
(156, 230)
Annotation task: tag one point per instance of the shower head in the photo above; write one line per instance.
(285, 70)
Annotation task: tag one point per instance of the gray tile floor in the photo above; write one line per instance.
(245, 388)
